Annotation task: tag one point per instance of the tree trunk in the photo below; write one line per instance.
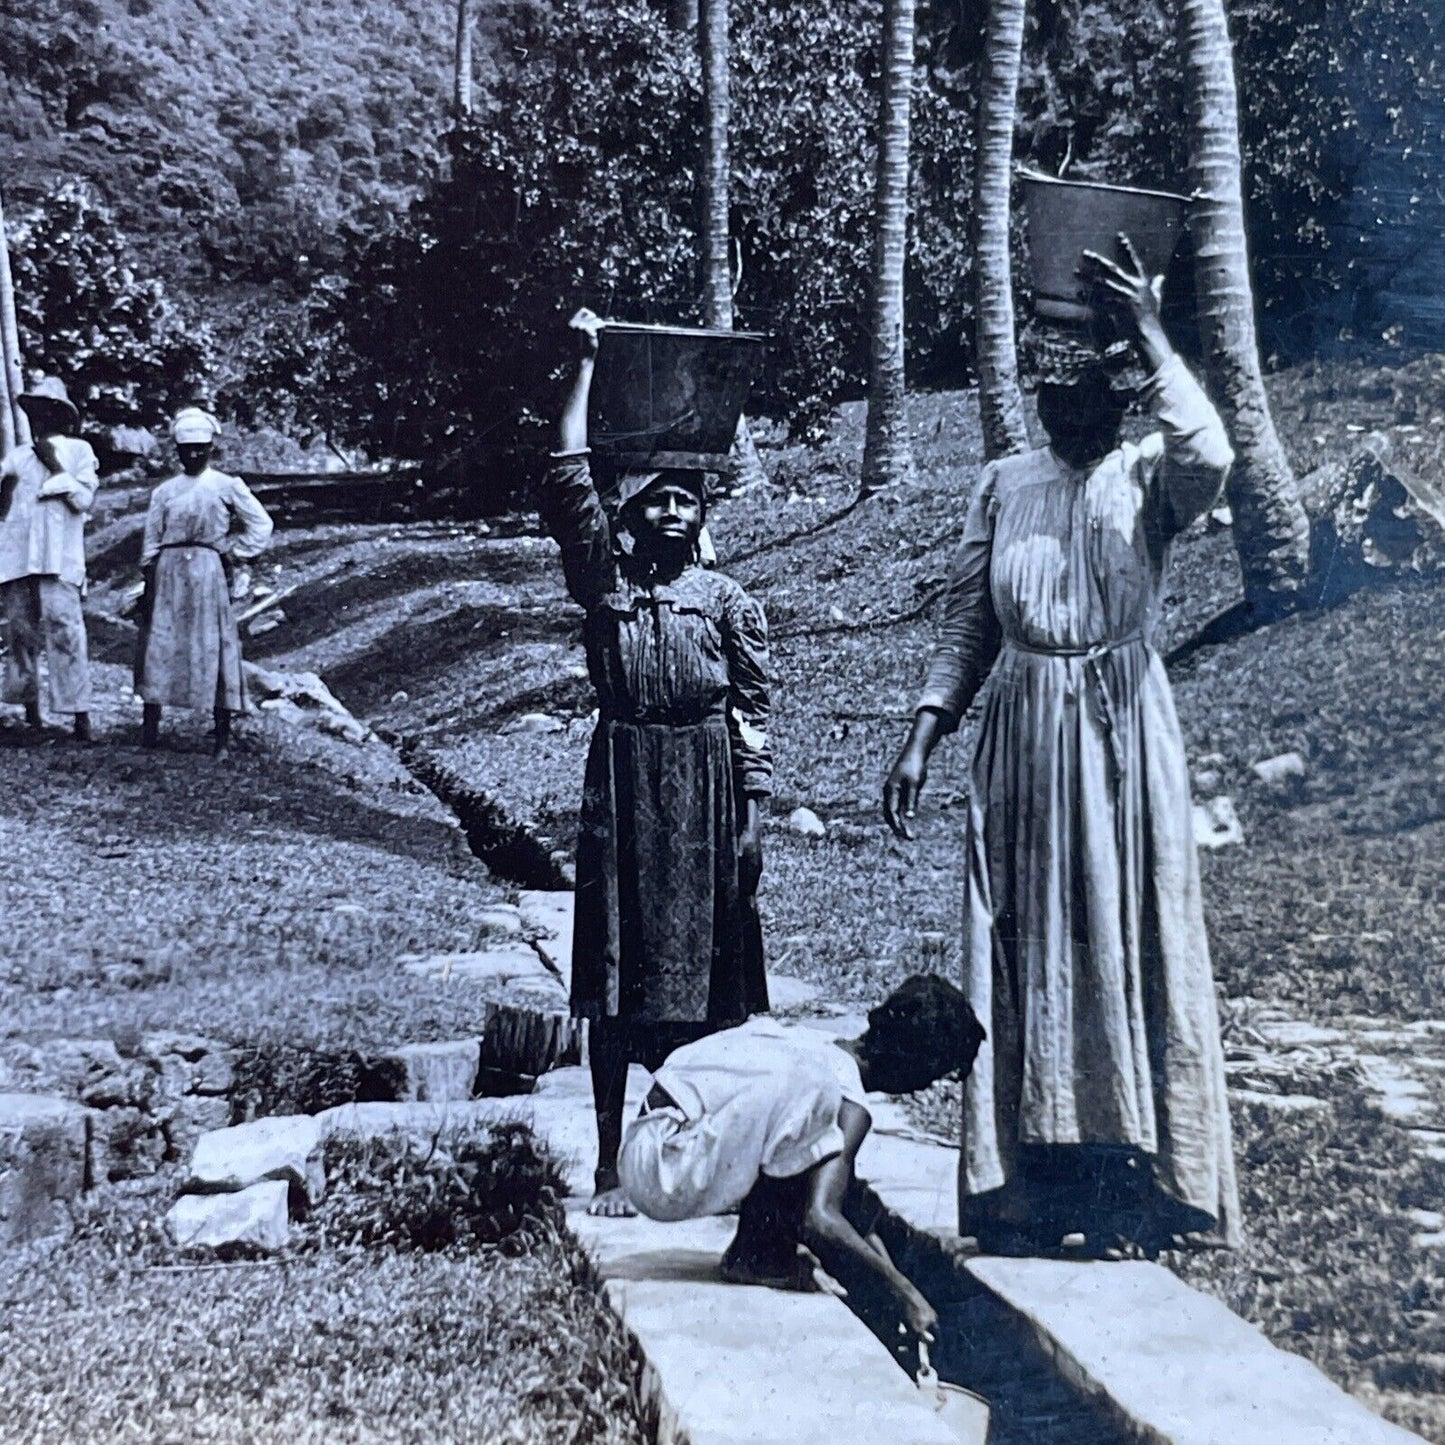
(462, 85)
(1000, 403)
(1271, 529)
(887, 453)
(14, 424)
(744, 465)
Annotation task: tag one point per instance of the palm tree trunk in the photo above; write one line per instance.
(744, 465)
(1271, 529)
(14, 424)
(1000, 403)
(462, 85)
(887, 453)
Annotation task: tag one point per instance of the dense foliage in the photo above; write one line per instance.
(87, 315)
(384, 282)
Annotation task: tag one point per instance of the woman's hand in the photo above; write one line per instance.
(750, 848)
(1136, 293)
(910, 772)
(587, 324)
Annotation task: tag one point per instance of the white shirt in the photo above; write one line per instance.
(212, 510)
(46, 538)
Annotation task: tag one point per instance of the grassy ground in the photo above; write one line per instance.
(269, 897)
(109, 1339)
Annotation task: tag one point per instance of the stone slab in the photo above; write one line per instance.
(256, 1218)
(730, 1364)
(44, 1144)
(439, 1073)
(1175, 1366)
(286, 1147)
(549, 916)
(488, 966)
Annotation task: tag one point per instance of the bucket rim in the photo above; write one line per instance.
(643, 328)
(1039, 178)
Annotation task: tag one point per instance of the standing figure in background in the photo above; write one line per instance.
(46, 491)
(1097, 1105)
(667, 942)
(189, 649)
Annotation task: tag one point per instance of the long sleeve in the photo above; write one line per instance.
(968, 637)
(573, 514)
(1190, 455)
(745, 642)
(256, 524)
(155, 529)
(76, 485)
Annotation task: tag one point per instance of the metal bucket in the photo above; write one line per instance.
(965, 1414)
(670, 396)
(1067, 218)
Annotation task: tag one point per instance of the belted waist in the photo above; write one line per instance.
(670, 717)
(1092, 652)
(204, 546)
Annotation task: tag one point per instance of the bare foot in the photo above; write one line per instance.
(771, 1274)
(611, 1204)
(608, 1200)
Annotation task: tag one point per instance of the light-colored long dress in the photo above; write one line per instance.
(190, 650)
(1086, 957)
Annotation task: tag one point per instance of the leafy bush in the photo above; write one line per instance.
(465, 1186)
(85, 314)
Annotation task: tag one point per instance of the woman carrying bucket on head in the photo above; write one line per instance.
(666, 945)
(1097, 1105)
(189, 649)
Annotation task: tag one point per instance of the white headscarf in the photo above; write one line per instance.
(194, 425)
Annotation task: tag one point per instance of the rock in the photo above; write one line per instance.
(266, 622)
(1277, 770)
(497, 965)
(550, 916)
(345, 727)
(190, 1047)
(305, 689)
(400, 696)
(442, 1073)
(254, 1218)
(125, 1144)
(1207, 782)
(1281, 1103)
(131, 1085)
(43, 1155)
(287, 1147)
(285, 709)
(806, 823)
(1216, 824)
(501, 918)
(785, 992)
(1220, 517)
(190, 1117)
(535, 722)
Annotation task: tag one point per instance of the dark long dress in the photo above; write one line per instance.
(664, 933)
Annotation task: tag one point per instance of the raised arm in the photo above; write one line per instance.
(1188, 460)
(967, 643)
(844, 1253)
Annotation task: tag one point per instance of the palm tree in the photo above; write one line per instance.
(462, 85)
(14, 425)
(1000, 403)
(887, 454)
(1271, 529)
(744, 467)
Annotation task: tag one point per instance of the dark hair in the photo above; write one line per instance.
(923, 1031)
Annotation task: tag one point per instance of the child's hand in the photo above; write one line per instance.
(920, 1317)
(587, 324)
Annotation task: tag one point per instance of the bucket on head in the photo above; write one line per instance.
(670, 396)
(1067, 218)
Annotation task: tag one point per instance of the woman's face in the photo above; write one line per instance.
(195, 456)
(667, 517)
(1082, 421)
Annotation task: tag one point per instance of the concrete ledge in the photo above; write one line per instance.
(1167, 1363)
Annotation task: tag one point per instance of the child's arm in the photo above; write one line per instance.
(844, 1253)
